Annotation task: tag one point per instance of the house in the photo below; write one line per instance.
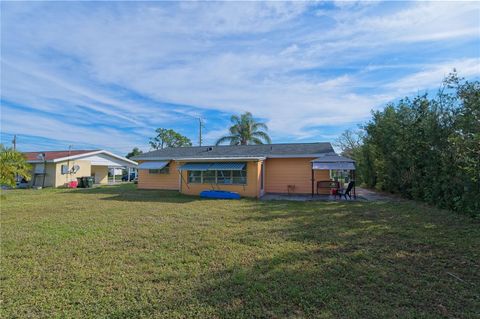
(57, 168)
(250, 170)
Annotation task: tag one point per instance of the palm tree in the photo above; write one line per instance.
(245, 130)
(12, 163)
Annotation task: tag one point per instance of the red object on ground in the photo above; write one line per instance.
(72, 184)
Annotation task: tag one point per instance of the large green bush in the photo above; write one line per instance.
(426, 148)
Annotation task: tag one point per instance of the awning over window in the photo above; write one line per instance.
(227, 166)
(195, 167)
(334, 165)
(220, 166)
(153, 165)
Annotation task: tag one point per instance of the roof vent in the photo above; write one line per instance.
(209, 149)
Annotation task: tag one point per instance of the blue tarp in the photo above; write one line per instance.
(219, 194)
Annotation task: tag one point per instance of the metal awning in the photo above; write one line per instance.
(153, 165)
(195, 167)
(227, 166)
(219, 166)
(334, 165)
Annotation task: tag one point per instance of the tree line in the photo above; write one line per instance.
(424, 148)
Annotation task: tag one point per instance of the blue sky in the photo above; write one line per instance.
(106, 74)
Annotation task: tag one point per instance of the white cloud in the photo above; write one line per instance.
(268, 58)
(432, 76)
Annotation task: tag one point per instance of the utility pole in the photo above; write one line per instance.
(200, 131)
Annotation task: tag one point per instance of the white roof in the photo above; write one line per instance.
(100, 157)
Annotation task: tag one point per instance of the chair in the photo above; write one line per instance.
(346, 192)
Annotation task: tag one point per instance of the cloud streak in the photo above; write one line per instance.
(307, 69)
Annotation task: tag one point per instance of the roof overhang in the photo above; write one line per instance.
(295, 156)
(238, 158)
(202, 159)
(220, 159)
(333, 165)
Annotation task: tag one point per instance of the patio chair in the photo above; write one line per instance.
(346, 192)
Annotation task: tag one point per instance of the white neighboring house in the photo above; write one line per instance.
(58, 168)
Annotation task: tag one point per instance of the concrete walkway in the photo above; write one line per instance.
(362, 195)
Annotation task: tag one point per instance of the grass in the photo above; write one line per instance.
(117, 252)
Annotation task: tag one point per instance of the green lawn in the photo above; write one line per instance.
(118, 252)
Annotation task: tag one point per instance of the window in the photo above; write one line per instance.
(224, 177)
(64, 169)
(209, 177)
(165, 170)
(239, 177)
(194, 177)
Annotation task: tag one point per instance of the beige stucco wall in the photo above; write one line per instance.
(63, 179)
(281, 172)
(100, 173)
(251, 189)
(159, 181)
(54, 176)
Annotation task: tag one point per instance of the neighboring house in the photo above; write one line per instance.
(57, 168)
(250, 170)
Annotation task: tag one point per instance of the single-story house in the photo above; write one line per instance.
(250, 170)
(57, 168)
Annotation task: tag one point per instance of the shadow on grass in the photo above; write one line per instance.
(130, 193)
(351, 260)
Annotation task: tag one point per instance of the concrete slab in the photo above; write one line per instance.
(304, 198)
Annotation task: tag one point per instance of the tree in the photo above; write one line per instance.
(349, 141)
(135, 151)
(12, 163)
(246, 130)
(169, 138)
